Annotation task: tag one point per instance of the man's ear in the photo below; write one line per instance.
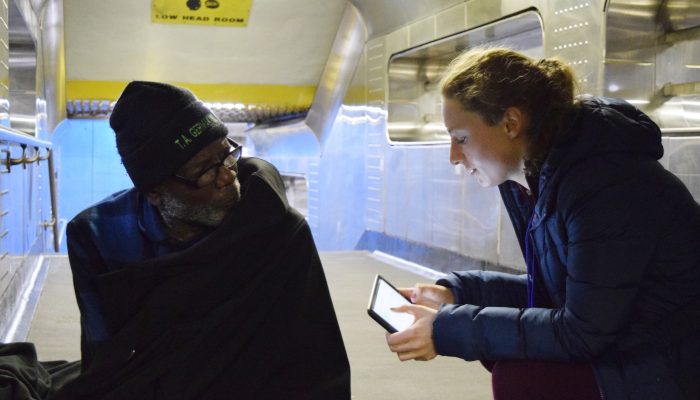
(153, 198)
(514, 122)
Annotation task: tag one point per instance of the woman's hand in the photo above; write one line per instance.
(416, 341)
(428, 295)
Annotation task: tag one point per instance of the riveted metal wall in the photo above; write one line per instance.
(412, 193)
(4, 66)
(652, 59)
(409, 201)
(31, 105)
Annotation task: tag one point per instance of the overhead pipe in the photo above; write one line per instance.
(337, 75)
(52, 86)
(681, 89)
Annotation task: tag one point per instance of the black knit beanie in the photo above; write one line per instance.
(159, 128)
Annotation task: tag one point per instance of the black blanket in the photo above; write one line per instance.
(243, 314)
(24, 377)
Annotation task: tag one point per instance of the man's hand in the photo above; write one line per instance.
(415, 342)
(428, 295)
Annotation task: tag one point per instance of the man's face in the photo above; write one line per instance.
(205, 205)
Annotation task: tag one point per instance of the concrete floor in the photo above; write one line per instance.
(376, 372)
(55, 328)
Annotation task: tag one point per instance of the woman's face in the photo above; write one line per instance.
(491, 154)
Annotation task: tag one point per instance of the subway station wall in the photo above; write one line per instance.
(408, 193)
(359, 183)
(88, 166)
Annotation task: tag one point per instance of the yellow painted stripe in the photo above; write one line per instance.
(275, 95)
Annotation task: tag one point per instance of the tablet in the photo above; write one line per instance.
(383, 297)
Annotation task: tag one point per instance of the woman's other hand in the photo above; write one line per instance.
(428, 295)
(416, 341)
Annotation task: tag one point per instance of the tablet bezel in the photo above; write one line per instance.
(372, 299)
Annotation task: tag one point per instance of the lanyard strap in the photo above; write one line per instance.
(530, 264)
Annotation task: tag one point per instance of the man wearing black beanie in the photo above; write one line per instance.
(201, 281)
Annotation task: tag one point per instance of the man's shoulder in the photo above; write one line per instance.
(116, 205)
(252, 165)
(263, 170)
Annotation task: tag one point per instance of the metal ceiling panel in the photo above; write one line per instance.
(382, 17)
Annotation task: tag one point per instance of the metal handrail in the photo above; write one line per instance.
(19, 137)
(9, 135)
(681, 89)
(9, 161)
(24, 140)
(686, 131)
(54, 202)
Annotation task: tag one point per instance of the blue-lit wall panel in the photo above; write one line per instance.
(341, 189)
(88, 166)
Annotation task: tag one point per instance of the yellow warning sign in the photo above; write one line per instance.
(201, 12)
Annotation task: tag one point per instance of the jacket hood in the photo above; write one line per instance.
(603, 127)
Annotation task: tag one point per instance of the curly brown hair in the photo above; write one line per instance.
(489, 80)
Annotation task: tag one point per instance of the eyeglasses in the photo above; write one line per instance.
(208, 175)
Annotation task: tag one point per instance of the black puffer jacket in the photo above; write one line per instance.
(617, 280)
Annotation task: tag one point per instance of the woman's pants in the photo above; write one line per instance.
(542, 380)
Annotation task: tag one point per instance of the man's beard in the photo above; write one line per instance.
(208, 214)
